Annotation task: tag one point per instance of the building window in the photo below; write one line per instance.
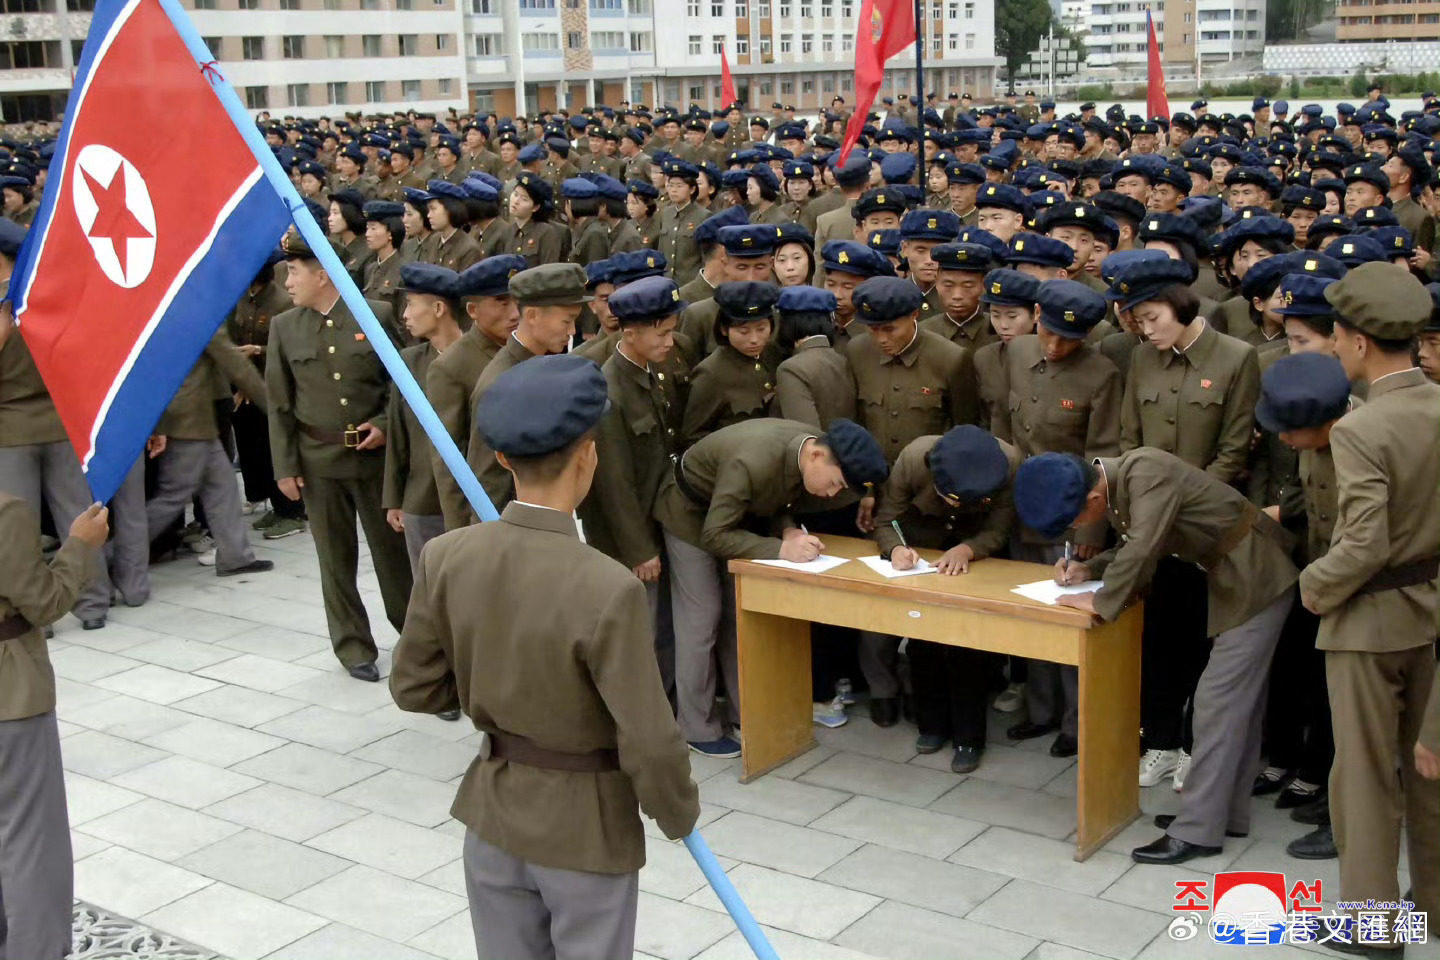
(953, 11)
(334, 47)
(827, 44)
(847, 43)
(574, 40)
(487, 44)
(767, 88)
(954, 42)
(607, 40)
(257, 98)
(765, 46)
(409, 45)
(692, 8)
(807, 42)
(252, 48)
(484, 8)
(847, 83)
(642, 42)
(249, 4)
(697, 92)
(806, 11)
(446, 84)
(204, 4)
(807, 86)
(969, 10)
(787, 86)
(717, 9)
(539, 42)
(537, 4)
(936, 44)
(785, 11)
(695, 44)
(742, 9)
(292, 48)
(298, 94)
(784, 43)
(214, 45)
(717, 43)
(331, 4)
(617, 5)
(847, 9)
(370, 45)
(337, 91)
(484, 103)
(410, 90)
(762, 9)
(289, 4)
(742, 46)
(969, 41)
(827, 10)
(374, 91)
(640, 8)
(442, 42)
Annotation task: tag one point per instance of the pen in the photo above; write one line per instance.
(1066, 568)
(804, 530)
(895, 524)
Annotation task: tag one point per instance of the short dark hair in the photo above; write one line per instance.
(354, 219)
(1382, 344)
(646, 321)
(584, 206)
(795, 327)
(456, 208)
(723, 323)
(546, 467)
(615, 208)
(766, 190)
(1323, 324)
(1183, 300)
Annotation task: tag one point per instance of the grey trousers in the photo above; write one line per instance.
(521, 911)
(50, 473)
(420, 529)
(1229, 710)
(879, 656)
(128, 552)
(200, 467)
(36, 878)
(1052, 690)
(702, 597)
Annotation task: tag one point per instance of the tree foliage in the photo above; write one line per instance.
(1019, 25)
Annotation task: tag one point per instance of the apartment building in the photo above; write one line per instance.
(1188, 31)
(1359, 21)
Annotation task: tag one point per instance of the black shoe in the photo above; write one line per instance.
(885, 711)
(928, 743)
(451, 715)
(1290, 799)
(97, 623)
(965, 760)
(254, 566)
(366, 672)
(1163, 821)
(1169, 850)
(1318, 844)
(1316, 813)
(1064, 746)
(1265, 785)
(1366, 950)
(1029, 731)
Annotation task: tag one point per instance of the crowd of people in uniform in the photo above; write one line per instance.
(1191, 356)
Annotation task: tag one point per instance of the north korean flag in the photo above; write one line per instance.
(155, 219)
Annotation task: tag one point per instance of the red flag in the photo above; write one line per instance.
(884, 29)
(1156, 103)
(727, 82)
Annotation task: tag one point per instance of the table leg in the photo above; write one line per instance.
(774, 690)
(1109, 790)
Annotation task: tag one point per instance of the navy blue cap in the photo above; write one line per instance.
(598, 272)
(1302, 197)
(1368, 173)
(882, 300)
(576, 188)
(531, 153)
(1050, 492)
(1175, 228)
(999, 249)
(537, 187)
(971, 173)
(444, 188)
(430, 278)
(1303, 295)
(798, 170)
(1002, 196)
(1042, 250)
(350, 197)
(793, 233)
(973, 257)
(682, 169)
(885, 241)
(642, 188)
(747, 300)
(1355, 250)
(635, 265)
(1069, 308)
(898, 167)
(1253, 228)
(490, 277)
(710, 227)
(1302, 390)
(1375, 217)
(968, 464)
(646, 300)
(475, 189)
(879, 200)
(542, 405)
(1073, 213)
(855, 170)
(937, 225)
(1009, 288)
(383, 210)
(761, 172)
(861, 460)
(12, 235)
(805, 299)
(1264, 276)
(1395, 241)
(848, 256)
(418, 198)
(1143, 280)
(750, 240)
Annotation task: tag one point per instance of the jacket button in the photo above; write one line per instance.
(1169, 419)
(329, 323)
(894, 413)
(1034, 399)
(1174, 389)
(896, 387)
(330, 349)
(344, 402)
(336, 375)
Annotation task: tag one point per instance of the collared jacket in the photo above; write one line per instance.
(727, 387)
(449, 381)
(498, 483)
(409, 475)
(925, 390)
(928, 521)
(814, 385)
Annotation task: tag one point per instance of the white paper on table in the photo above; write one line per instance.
(886, 569)
(1048, 591)
(819, 565)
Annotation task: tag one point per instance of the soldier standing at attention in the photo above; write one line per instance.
(384, 233)
(36, 876)
(674, 231)
(1375, 593)
(328, 392)
(553, 847)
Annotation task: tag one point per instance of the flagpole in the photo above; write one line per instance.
(920, 84)
(344, 283)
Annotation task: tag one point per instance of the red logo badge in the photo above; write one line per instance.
(1067, 404)
(1207, 384)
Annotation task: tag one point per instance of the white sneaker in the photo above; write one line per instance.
(1156, 765)
(1182, 767)
(829, 715)
(206, 558)
(1012, 698)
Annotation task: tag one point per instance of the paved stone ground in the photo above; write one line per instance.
(231, 786)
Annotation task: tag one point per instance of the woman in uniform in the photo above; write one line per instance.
(347, 228)
(533, 233)
(794, 256)
(384, 232)
(737, 381)
(451, 248)
(640, 203)
(416, 218)
(1251, 240)
(799, 189)
(762, 196)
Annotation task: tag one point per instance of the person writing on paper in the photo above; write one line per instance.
(949, 493)
(747, 476)
(1160, 506)
(579, 738)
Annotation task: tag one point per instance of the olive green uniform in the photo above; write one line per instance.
(449, 382)
(972, 333)
(727, 387)
(674, 236)
(382, 283)
(925, 390)
(591, 243)
(455, 252)
(409, 476)
(814, 385)
(498, 482)
(538, 242)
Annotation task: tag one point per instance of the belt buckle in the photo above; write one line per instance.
(351, 438)
(484, 746)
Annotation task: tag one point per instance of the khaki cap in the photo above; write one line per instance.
(550, 285)
(1382, 300)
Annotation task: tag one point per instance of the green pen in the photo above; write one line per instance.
(895, 525)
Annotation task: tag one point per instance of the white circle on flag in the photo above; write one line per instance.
(112, 203)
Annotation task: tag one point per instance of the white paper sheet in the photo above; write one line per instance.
(819, 565)
(883, 567)
(1048, 591)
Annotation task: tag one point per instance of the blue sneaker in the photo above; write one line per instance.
(722, 749)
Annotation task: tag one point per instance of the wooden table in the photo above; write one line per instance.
(775, 607)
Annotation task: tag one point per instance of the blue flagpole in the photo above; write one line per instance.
(730, 897)
(344, 283)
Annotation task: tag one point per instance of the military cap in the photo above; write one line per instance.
(1256, 228)
(1303, 295)
(430, 278)
(1368, 173)
(750, 240)
(861, 460)
(636, 265)
(898, 167)
(763, 175)
(1194, 165)
(349, 197)
(576, 188)
(1257, 176)
(558, 144)
(1050, 491)
(1356, 250)
(1009, 288)
(1000, 196)
(999, 249)
(884, 241)
(296, 247)
(374, 140)
(881, 300)
(490, 277)
(1038, 249)
(1297, 196)
(449, 143)
(799, 170)
(964, 173)
(1042, 200)
(793, 233)
(1144, 280)
(303, 167)
(537, 187)
(383, 210)
(1328, 223)
(417, 198)
(1377, 216)
(476, 189)
(444, 188)
(353, 152)
(968, 464)
(746, 301)
(879, 200)
(937, 225)
(1264, 276)
(642, 188)
(1302, 390)
(1395, 241)
(647, 300)
(1174, 228)
(531, 153)
(1175, 176)
(12, 235)
(1072, 213)
(1001, 160)
(543, 405)
(1381, 301)
(682, 169)
(550, 284)
(1069, 308)
(970, 257)
(598, 272)
(805, 300)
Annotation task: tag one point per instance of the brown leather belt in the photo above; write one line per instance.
(14, 626)
(1404, 575)
(342, 438)
(508, 746)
